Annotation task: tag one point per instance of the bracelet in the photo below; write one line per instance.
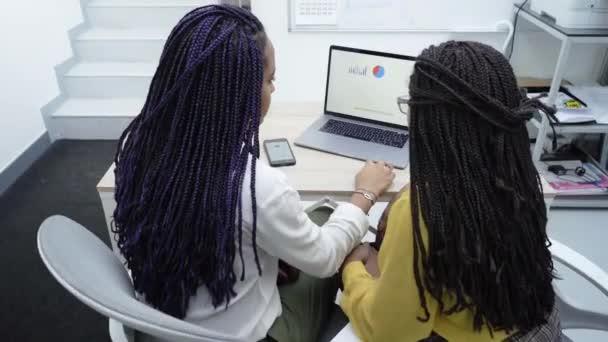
(370, 196)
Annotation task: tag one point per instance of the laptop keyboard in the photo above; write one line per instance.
(365, 133)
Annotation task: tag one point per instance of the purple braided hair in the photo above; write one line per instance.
(181, 162)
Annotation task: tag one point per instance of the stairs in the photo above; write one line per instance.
(116, 51)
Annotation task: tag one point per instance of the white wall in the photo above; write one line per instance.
(33, 36)
(302, 57)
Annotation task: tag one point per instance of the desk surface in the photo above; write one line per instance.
(316, 174)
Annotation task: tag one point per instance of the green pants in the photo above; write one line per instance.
(307, 303)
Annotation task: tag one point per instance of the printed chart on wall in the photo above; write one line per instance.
(398, 15)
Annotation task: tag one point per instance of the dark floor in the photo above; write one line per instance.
(33, 306)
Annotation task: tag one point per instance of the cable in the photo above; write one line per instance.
(515, 27)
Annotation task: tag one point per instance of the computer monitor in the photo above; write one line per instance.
(365, 85)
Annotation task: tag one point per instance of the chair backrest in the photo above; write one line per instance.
(573, 317)
(89, 270)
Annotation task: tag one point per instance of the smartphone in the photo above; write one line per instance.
(279, 152)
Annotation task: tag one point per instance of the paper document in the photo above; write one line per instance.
(316, 12)
(569, 110)
(572, 118)
(597, 100)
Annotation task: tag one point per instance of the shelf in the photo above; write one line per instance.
(576, 201)
(576, 128)
(592, 198)
(567, 37)
(550, 25)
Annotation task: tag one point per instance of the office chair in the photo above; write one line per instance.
(571, 316)
(89, 270)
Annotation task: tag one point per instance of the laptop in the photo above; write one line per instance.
(361, 118)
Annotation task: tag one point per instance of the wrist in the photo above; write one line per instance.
(369, 195)
(361, 202)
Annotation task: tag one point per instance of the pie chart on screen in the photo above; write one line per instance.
(378, 71)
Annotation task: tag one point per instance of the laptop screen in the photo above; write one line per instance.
(365, 85)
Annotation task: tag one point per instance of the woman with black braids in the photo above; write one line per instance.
(464, 255)
(202, 225)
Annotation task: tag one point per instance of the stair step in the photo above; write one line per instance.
(93, 118)
(118, 55)
(99, 107)
(121, 45)
(100, 33)
(149, 3)
(140, 13)
(109, 79)
(111, 69)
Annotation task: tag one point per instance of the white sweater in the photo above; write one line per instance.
(285, 232)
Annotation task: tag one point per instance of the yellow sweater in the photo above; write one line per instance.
(385, 309)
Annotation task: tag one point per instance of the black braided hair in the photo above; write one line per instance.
(475, 186)
(181, 162)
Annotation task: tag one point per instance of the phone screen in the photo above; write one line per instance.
(279, 152)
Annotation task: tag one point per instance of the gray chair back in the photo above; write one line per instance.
(89, 270)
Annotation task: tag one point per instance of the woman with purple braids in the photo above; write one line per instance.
(201, 222)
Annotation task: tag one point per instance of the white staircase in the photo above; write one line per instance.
(116, 51)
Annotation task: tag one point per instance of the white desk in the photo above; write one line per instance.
(315, 175)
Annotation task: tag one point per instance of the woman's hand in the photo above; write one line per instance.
(360, 253)
(368, 256)
(374, 177)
